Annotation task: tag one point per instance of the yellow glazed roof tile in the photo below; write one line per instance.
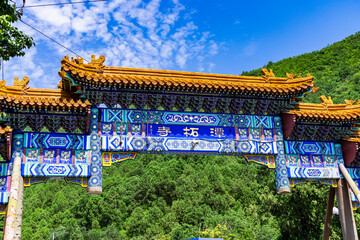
(96, 73)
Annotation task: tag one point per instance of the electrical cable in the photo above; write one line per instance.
(52, 40)
(55, 4)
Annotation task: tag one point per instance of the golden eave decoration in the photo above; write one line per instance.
(95, 73)
(5, 130)
(20, 95)
(348, 112)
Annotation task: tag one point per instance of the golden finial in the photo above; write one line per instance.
(23, 83)
(98, 61)
(2, 83)
(79, 60)
(326, 100)
(290, 75)
(267, 73)
(315, 89)
(349, 102)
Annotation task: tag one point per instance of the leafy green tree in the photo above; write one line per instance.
(12, 40)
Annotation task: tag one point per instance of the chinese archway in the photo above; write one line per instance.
(100, 115)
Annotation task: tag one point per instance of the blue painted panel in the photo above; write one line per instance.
(313, 173)
(313, 160)
(188, 118)
(65, 157)
(56, 140)
(55, 170)
(190, 145)
(302, 147)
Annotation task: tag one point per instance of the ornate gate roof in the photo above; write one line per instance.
(97, 74)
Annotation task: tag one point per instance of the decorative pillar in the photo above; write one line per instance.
(19, 211)
(95, 181)
(281, 174)
(12, 229)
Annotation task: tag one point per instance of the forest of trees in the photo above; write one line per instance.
(336, 70)
(177, 197)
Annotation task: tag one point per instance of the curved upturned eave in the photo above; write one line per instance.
(14, 96)
(326, 112)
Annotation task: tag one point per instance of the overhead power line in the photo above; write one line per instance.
(52, 39)
(65, 3)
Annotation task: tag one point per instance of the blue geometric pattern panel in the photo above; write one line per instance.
(301, 147)
(49, 156)
(65, 156)
(314, 173)
(184, 118)
(82, 157)
(313, 160)
(186, 145)
(112, 115)
(32, 155)
(56, 156)
(55, 170)
(56, 140)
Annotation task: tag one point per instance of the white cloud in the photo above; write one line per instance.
(131, 33)
(250, 49)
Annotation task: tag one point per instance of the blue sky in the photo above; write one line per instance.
(187, 35)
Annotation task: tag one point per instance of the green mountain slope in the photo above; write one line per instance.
(336, 69)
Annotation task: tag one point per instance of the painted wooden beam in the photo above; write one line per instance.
(347, 220)
(350, 181)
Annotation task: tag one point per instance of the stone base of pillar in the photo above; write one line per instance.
(283, 190)
(94, 190)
